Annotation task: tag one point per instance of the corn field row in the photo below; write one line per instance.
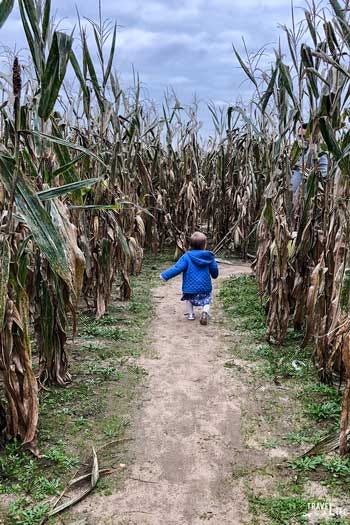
(92, 176)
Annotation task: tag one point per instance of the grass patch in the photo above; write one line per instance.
(115, 427)
(281, 510)
(338, 467)
(306, 436)
(241, 302)
(19, 513)
(103, 327)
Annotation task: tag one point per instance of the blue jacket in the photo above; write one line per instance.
(197, 266)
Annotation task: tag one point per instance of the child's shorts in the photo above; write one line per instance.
(197, 299)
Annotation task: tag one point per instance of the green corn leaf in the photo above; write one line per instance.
(82, 81)
(318, 75)
(269, 91)
(339, 11)
(117, 92)
(295, 153)
(343, 161)
(22, 261)
(67, 166)
(52, 193)
(45, 235)
(35, 50)
(54, 73)
(290, 41)
(331, 38)
(92, 73)
(330, 138)
(62, 142)
(24, 245)
(98, 43)
(323, 56)
(5, 259)
(267, 213)
(229, 116)
(215, 118)
(64, 160)
(244, 67)
(78, 72)
(46, 20)
(308, 63)
(311, 27)
(325, 106)
(286, 80)
(30, 166)
(32, 15)
(154, 125)
(63, 154)
(111, 57)
(6, 7)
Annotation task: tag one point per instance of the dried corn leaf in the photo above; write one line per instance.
(94, 477)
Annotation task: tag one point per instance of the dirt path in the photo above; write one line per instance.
(187, 432)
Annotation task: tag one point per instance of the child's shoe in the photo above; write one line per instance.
(204, 318)
(191, 317)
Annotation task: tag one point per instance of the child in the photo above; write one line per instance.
(197, 267)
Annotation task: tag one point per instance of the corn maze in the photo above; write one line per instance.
(91, 179)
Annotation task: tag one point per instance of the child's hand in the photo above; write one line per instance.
(162, 278)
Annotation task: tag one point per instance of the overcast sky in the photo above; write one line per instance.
(186, 44)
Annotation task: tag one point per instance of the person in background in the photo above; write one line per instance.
(304, 160)
(197, 266)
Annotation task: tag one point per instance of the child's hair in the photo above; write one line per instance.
(198, 241)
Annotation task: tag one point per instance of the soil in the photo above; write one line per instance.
(187, 438)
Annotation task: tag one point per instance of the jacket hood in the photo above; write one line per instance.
(201, 257)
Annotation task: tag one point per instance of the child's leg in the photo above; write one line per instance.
(189, 308)
(205, 314)
(206, 308)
